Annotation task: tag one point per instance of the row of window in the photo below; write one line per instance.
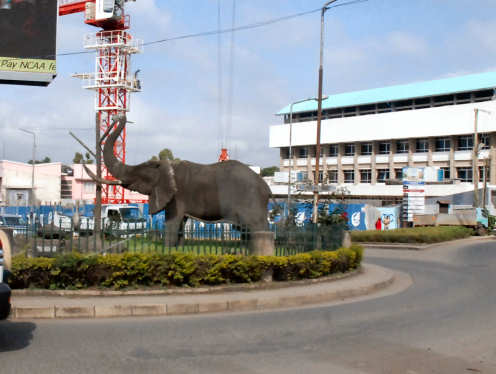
(396, 106)
(463, 143)
(463, 173)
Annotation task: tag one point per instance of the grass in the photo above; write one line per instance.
(412, 235)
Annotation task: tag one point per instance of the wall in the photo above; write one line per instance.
(79, 192)
(17, 175)
(428, 122)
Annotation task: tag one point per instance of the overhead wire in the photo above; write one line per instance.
(222, 31)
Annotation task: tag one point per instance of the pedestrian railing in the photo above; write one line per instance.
(212, 239)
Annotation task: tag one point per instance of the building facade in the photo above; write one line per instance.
(54, 183)
(367, 137)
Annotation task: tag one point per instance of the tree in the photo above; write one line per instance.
(46, 160)
(269, 171)
(80, 159)
(165, 154)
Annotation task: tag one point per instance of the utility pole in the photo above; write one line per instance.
(33, 199)
(319, 115)
(97, 214)
(475, 159)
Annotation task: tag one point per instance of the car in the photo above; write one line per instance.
(5, 292)
(14, 221)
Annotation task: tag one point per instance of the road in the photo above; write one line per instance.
(443, 323)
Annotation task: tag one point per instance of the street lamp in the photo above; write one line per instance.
(32, 163)
(475, 158)
(290, 146)
(319, 113)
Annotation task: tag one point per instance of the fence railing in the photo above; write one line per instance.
(50, 240)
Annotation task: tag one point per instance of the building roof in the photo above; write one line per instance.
(437, 87)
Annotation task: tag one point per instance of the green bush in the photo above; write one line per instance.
(118, 271)
(412, 235)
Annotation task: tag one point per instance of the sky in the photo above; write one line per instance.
(367, 45)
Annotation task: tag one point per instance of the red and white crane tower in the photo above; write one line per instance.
(111, 80)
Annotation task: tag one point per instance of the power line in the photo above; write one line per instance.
(225, 31)
(208, 33)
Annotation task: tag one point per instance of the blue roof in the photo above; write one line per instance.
(401, 92)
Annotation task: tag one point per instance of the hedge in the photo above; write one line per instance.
(131, 270)
(413, 235)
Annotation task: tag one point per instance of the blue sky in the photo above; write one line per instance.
(367, 45)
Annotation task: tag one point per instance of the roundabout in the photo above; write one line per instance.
(436, 319)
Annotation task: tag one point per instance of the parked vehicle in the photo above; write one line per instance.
(15, 222)
(122, 220)
(53, 224)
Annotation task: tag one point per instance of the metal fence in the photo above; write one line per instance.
(197, 238)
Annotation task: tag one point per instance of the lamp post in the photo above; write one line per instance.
(475, 157)
(32, 164)
(319, 113)
(290, 147)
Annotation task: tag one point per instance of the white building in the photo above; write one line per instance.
(16, 182)
(368, 136)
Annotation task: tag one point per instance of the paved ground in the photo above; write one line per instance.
(443, 323)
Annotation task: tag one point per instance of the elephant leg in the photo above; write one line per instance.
(173, 224)
(182, 234)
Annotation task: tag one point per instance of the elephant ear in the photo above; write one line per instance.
(165, 187)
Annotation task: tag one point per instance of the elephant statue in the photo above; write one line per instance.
(228, 191)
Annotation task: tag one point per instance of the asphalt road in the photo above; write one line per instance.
(443, 323)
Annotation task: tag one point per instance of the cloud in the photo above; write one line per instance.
(407, 44)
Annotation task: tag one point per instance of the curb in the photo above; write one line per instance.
(421, 247)
(174, 309)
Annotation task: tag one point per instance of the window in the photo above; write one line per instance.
(402, 146)
(284, 153)
(464, 174)
(303, 153)
(89, 187)
(366, 149)
(484, 140)
(442, 144)
(384, 148)
(349, 176)
(398, 173)
(333, 150)
(481, 173)
(365, 176)
(321, 176)
(302, 176)
(446, 173)
(349, 149)
(382, 175)
(333, 176)
(465, 143)
(421, 146)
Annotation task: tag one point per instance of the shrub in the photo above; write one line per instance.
(412, 235)
(76, 271)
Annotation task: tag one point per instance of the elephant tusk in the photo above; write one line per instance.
(100, 180)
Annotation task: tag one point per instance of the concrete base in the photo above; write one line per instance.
(262, 243)
(346, 240)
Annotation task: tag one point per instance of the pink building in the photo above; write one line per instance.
(79, 186)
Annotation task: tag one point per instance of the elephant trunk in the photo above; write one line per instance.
(118, 169)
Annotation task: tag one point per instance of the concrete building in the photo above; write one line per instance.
(368, 136)
(16, 182)
(54, 183)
